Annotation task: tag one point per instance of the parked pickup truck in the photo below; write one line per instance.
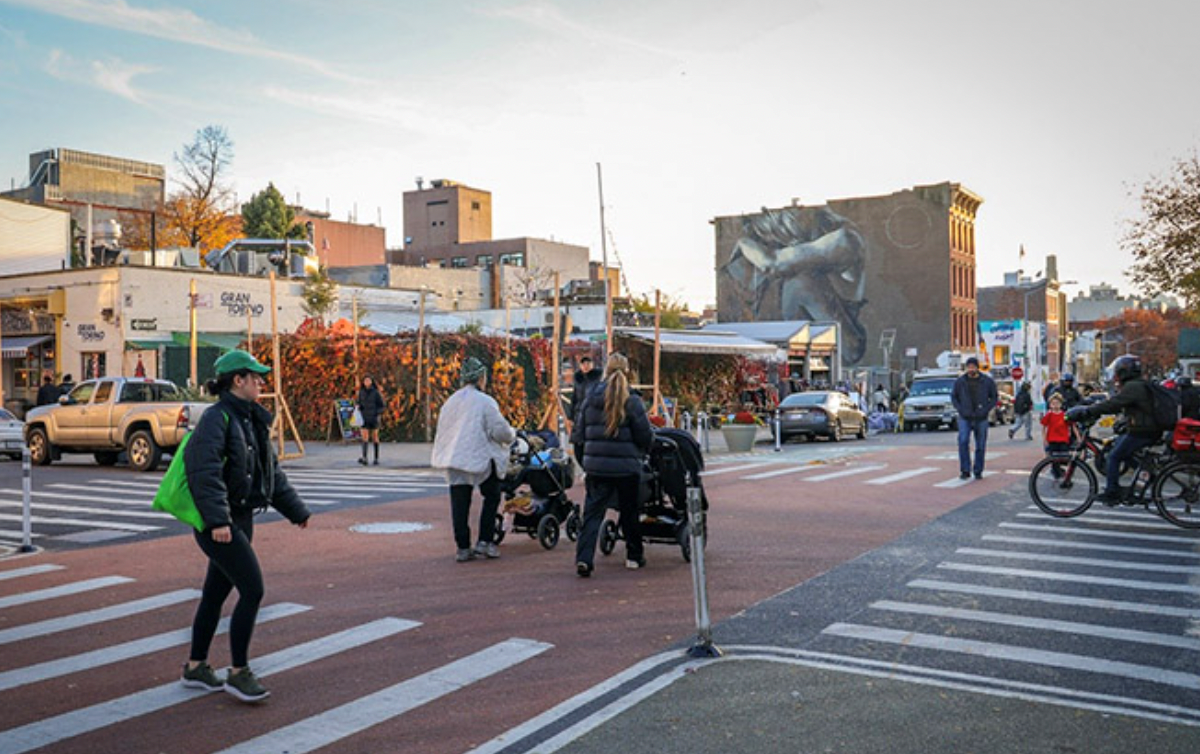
(142, 417)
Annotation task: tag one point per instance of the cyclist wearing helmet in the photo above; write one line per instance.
(1189, 398)
(1066, 388)
(1135, 401)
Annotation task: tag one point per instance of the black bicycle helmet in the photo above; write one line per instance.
(1125, 368)
(1068, 378)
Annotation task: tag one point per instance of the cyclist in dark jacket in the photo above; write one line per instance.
(613, 426)
(1135, 401)
(1066, 388)
(370, 405)
(1189, 398)
(231, 472)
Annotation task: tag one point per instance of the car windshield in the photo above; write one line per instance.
(5, 416)
(932, 387)
(804, 399)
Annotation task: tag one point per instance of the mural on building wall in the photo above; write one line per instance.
(803, 264)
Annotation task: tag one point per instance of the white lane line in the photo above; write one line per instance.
(330, 726)
(781, 472)
(1026, 655)
(1096, 518)
(1119, 565)
(81, 498)
(854, 470)
(560, 711)
(17, 573)
(63, 590)
(85, 720)
(356, 478)
(1069, 545)
(999, 687)
(1054, 598)
(1058, 529)
(44, 671)
(80, 522)
(52, 507)
(347, 495)
(1041, 624)
(15, 536)
(953, 456)
(901, 476)
(731, 469)
(1018, 472)
(956, 482)
(91, 617)
(335, 487)
(1077, 578)
(152, 486)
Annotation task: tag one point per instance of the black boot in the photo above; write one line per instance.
(376, 454)
(363, 461)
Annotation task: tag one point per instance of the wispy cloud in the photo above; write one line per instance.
(369, 107)
(111, 74)
(177, 25)
(551, 19)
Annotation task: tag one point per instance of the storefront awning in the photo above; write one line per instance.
(18, 348)
(226, 341)
(698, 341)
(146, 345)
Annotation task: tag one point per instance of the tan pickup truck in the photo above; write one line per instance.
(142, 417)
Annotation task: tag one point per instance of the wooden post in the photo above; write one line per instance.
(422, 370)
(192, 333)
(57, 356)
(555, 410)
(249, 330)
(507, 330)
(354, 320)
(608, 319)
(657, 351)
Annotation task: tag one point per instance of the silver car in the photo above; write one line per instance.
(821, 413)
(12, 435)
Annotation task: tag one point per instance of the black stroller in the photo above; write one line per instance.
(535, 491)
(673, 464)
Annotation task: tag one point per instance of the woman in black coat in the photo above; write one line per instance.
(616, 435)
(232, 471)
(370, 405)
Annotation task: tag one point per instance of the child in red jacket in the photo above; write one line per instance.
(1057, 432)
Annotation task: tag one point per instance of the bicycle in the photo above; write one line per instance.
(1064, 485)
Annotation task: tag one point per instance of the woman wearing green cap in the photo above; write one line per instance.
(472, 445)
(232, 472)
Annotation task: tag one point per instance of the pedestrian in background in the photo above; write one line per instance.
(472, 445)
(48, 393)
(232, 472)
(882, 399)
(974, 396)
(370, 406)
(1023, 412)
(67, 384)
(585, 376)
(616, 433)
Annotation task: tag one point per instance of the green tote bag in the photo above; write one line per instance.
(174, 496)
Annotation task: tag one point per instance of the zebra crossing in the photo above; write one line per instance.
(69, 511)
(941, 474)
(123, 640)
(1098, 612)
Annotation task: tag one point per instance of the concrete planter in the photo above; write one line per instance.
(739, 438)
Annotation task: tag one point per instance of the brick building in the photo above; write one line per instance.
(343, 244)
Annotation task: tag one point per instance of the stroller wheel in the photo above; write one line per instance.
(573, 524)
(608, 537)
(547, 531)
(498, 536)
(683, 535)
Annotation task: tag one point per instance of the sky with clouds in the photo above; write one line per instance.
(1053, 112)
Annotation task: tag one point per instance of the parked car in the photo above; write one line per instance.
(12, 434)
(142, 417)
(827, 413)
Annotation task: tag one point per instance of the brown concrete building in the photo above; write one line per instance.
(343, 244)
(903, 262)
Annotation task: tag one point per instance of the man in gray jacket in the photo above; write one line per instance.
(974, 397)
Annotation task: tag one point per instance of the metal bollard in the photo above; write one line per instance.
(703, 421)
(778, 433)
(26, 501)
(562, 431)
(703, 646)
(687, 421)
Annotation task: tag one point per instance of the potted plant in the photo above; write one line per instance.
(739, 432)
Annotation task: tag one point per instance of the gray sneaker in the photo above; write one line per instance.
(201, 677)
(487, 549)
(463, 555)
(245, 686)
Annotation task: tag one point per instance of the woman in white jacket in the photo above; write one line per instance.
(472, 445)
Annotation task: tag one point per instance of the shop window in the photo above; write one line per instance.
(458, 262)
(93, 365)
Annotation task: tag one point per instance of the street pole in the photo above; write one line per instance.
(608, 317)
(703, 646)
(192, 333)
(26, 501)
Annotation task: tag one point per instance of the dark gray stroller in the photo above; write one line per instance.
(535, 492)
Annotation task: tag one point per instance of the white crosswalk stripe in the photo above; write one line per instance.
(902, 475)
(92, 617)
(62, 590)
(852, 471)
(16, 573)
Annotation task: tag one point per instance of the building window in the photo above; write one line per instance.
(94, 365)
(516, 259)
(484, 260)
(475, 206)
(458, 262)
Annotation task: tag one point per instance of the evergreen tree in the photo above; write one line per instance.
(267, 215)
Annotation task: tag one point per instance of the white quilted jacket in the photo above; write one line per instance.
(471, 433)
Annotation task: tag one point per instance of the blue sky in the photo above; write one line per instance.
(1050, 111)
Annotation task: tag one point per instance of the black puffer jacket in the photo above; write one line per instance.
(232, 466)
(612, 456)
(1135, 401)
(370, 403)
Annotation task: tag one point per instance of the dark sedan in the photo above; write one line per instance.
(826, 413)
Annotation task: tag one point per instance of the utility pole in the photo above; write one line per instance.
(608, 312)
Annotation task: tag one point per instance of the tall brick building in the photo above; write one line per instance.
(903, 262)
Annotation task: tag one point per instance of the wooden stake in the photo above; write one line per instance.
(192, 333)
(654, 409)
(283, 415)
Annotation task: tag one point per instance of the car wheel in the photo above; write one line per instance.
(836, 434)
(862, 430)
(40, 450)
(144, 453)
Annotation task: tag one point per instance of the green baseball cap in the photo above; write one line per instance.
(237, 361)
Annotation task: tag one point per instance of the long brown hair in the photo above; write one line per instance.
(616, 392)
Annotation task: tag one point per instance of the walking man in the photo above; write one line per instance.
(974, 398)
(1022, 412)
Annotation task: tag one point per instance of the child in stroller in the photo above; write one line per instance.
(535, 491)
(673, 464)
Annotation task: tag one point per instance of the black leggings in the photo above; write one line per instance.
(460, 510)
(230, 565)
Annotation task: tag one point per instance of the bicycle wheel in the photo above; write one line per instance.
(1177, 494)
(1062, 488)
